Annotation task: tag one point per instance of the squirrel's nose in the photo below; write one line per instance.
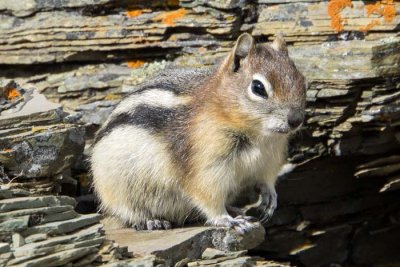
(295, 118)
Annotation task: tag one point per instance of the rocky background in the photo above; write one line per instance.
(338, 207)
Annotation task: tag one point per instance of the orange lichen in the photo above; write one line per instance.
(384, 8)
(12, 93)
(334, 9)
(389, 11)
(7, 150)
(370, 25)
(134, 64)
(134, 13)
(169, 18)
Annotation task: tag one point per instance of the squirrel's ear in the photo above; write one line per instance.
(279, 44)
(244, 45)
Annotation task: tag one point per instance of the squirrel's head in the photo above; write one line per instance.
(264, 85)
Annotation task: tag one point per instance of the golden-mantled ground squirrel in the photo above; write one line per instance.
(184, 144)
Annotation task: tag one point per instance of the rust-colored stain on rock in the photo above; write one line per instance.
(12, 93)
(334, 9)
(134, 13)
(169, 18)
(134, 64)
(383, 8)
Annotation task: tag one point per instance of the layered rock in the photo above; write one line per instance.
(46, 231)
(340, 204)
(36, 140)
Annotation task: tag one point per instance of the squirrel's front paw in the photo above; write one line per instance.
(269, 202)
(242, 224)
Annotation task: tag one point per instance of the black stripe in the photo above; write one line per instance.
(155, 119)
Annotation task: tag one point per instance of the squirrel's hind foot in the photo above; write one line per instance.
(153, 225)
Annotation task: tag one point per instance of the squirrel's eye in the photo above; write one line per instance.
(258, 88)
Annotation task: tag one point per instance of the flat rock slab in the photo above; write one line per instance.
(177, 244)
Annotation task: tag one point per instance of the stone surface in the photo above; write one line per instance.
(310, 21)
(29, 238)
(339, 206)
(35, 142)
(177, 244)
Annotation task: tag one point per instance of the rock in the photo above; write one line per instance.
(89, 36)
(236, 260)
(14, 225)
(339, 205)
(310, 21)
(331, 242)
(29, 7)
(96, 112)
(177, 244)
(224, 261)
(375, 247)
(35, 143)
(12, 204)
(34, 109)
(212, 253)
(45, 231)
(145, 261)
(63, 227)
(4, 247)
(59, 258)
(18, 240)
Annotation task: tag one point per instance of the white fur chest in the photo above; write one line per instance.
(263, 160)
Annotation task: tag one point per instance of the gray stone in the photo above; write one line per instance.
(59, 258)
(29, 7)
(331, 243)
(212, 253)
(35, 238)
(96, 112)
(33, 110)
(5, 193)
(309, 21)
(89, 233)
(378, 247)
(223, 261)
(4, 247)
(27, 255)
(14, 225)
(85, 39)
(30, 211)
(34, 202)
(63, 227)
(145, 261)
(18, 240)
(62, 216)
(180, 243)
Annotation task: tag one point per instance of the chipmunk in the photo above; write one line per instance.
(186, 142)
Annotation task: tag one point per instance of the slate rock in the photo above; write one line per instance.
(177, 244)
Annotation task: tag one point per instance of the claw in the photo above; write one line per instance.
(241, 223)
(158, 225)
(268, 203)
(167, 225)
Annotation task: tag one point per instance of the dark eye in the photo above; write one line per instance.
(258, 88)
